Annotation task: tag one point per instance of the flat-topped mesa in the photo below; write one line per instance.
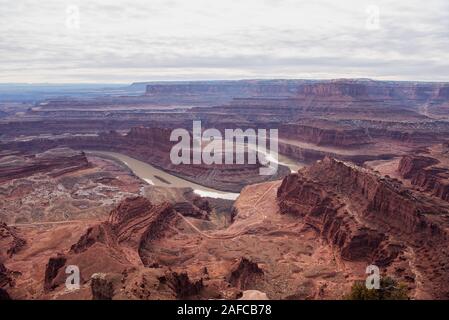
(334, 88)
(224, 89)
(53, 162)
(356, 88)
(369, 89)
(348, 137)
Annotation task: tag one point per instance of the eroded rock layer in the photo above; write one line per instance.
(153, 146)
(54, 162)
(307, 236)
(428, 171)
(365, 216)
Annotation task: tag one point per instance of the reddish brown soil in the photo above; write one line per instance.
(309, 235)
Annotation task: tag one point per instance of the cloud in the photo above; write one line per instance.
(121, 41)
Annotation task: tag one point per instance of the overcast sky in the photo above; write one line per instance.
(124, 41)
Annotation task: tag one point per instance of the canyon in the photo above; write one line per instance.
(86, 180)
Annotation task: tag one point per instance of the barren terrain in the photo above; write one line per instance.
(87, 181)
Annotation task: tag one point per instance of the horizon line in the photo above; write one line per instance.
(214, 80)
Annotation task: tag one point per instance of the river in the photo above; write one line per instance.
(158, 177)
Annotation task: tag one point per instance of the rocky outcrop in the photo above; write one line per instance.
(51, 270)
(115, 244)
(5, 281)
(53, 162)
(199, 208)
(136, 222)
(383, 198)
(103, 286)
(428, 173)
(101, 233)
(133, 224)
(323, 212)
(309, 154)
(410, 165)
(434, 180)
(145, 284)
(348, 137)
(10, 241)
(4, 276)
(183, 286)
(4, 294)
(244, 273)
(359, 213)
(253, 295)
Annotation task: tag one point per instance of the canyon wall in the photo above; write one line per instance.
(54, 161)
(427, 173)
(153, 146)
(365, 216)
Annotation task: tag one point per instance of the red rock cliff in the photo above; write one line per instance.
(54, 162)
(426, 173)
(359, 213)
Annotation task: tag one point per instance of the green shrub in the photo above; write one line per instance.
(389, 289)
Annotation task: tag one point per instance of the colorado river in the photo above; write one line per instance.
(158, 177)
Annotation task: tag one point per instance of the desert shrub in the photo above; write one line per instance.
(389, 289)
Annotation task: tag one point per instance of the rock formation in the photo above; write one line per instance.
(54, 161)
(119, 241)
(306, 235)
(410, 165)
(6, 281)
(243, 273)
(153, 146)
(183, 286)
(61, 184)
(4, 276)
(51, 270)
(365, 216)
(10, 241)
(429, 172)
(4, 294)
(103, 286)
